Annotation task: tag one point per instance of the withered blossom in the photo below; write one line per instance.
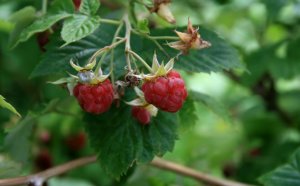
(161, 7)
(190, 39)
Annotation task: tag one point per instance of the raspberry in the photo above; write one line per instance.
(77, 4)
(94, 99)
(43, 160)
(166, 93)
(43, 39)
(76, 142)
(141, 114)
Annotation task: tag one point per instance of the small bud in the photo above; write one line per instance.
(161, 7)
(165, 13)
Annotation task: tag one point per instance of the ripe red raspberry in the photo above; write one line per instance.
(141, 114)
(77, 4)
(43, 160)
(95, 99)
(166, 93)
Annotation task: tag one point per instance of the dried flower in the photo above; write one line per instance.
(190, 39)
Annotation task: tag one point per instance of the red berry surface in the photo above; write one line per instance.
(166, 93)
(76, 142)
(43, 160)
(141, 114)
(77, 4)
(94, 99)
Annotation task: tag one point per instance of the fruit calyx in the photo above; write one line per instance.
(190, 39)
(158, 70)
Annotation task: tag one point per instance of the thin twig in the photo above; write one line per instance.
(140, 59)
(186, 171)
(157, 162)
(44, 175)
(127, 44)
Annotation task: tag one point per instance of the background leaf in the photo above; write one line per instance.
(17, 143)
(78, 27)
(41, 25)
(8, 106)
(21, 19)
(286, 175)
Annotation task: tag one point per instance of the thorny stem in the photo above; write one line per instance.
(127, 44)
(140, 59)
(43, 176)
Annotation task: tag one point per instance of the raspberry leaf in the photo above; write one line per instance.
(285, 175)
(121, 141)
(89, 7)
(78, 27)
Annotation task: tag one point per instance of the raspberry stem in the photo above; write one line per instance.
(110, 21)
(140, 59)
(127, 44)
(44, 7)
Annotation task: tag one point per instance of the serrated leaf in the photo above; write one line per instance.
(121, 141)
(211, 104)
(21, 19)
(41, 25)
(78, 27)
(8, 106)
(285, 175)
(89, 7)
(17, 142)
(220, 56)
(217, 58)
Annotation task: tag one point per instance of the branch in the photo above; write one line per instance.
(39, 178)
(186, 171)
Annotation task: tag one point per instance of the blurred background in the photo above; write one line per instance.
(258, 133)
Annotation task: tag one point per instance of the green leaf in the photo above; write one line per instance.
(142, 26)
(41, 25)
(78, 27)
(211, 104)
(17, 142)
(121, 141)
(8, 106)
(220, 56)
(61, 7)
(187, 114)
(68, 182)
(56, 60)
(89, 7)
(21, 19)
(285, 175)
(8, 167)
